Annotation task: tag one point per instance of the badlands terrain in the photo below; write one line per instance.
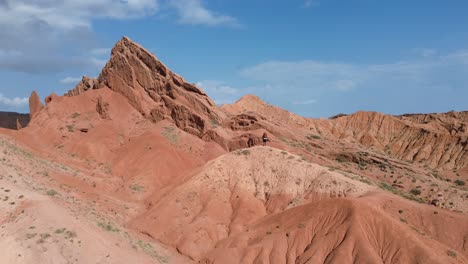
(141, 166)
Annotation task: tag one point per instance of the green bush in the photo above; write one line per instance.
(459, 182)
(313, 137)
(415, 191)
(51, 192)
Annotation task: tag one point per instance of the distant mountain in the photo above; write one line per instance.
(8, 119)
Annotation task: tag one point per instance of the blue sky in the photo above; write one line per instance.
(316, 58)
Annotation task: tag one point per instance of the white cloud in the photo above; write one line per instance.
(307, 74)
(460, 56)
(101, 51)
(70, 80)
(67, 14)
(330, 76)
(310, 3)
(218, 91)
(427, 52)
(344, 85)
(13, 102)
(434, 77)
(37, 35)
(306, 102)
(99, 63)
(217, 86)
(193, 12)
(43, 36)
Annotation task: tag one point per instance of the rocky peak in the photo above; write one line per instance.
(155, 91)
(35, 104)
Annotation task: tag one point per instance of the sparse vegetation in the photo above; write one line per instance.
(452, 253)
(387, 187)
(75, 115)
(43, 238)
(71, 128)
(60, 231)
(400, 211)
(149, 250)
(244, 152)
(362, 165)
(366, 181)
(170, 134)
(30, 235)
(341, 159)
(404, 220)
(52, 192)
(70, 234)
(408, 196)
(382, 167)
(214, 123)
(415, 191)
(459, 182)
(311, 136)
(106, 168)
(108, 227)
(136, 187)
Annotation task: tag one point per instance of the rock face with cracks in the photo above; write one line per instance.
(153, 90)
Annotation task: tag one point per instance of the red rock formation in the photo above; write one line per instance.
(102, 108)
(50, 98)
(435, 143)
(35, 104)
(18, 124)
(155, 91)
(84, 85)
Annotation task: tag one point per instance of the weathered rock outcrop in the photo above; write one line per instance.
(84, 85)
(153, 90)
(436, 140)
(102, 108)
(51, 98)
(35, 104)
(434, 143)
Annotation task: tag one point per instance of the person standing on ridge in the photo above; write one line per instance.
(265, 138)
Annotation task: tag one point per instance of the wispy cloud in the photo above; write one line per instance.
(310, 3)
(425, 52)
(436, 78)
(193, 12)
(218, 91)
(321, 75)
(68, 14)
(37, 35)
(70, 80)
(305, 102)
(13, 102)
(101, 51)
